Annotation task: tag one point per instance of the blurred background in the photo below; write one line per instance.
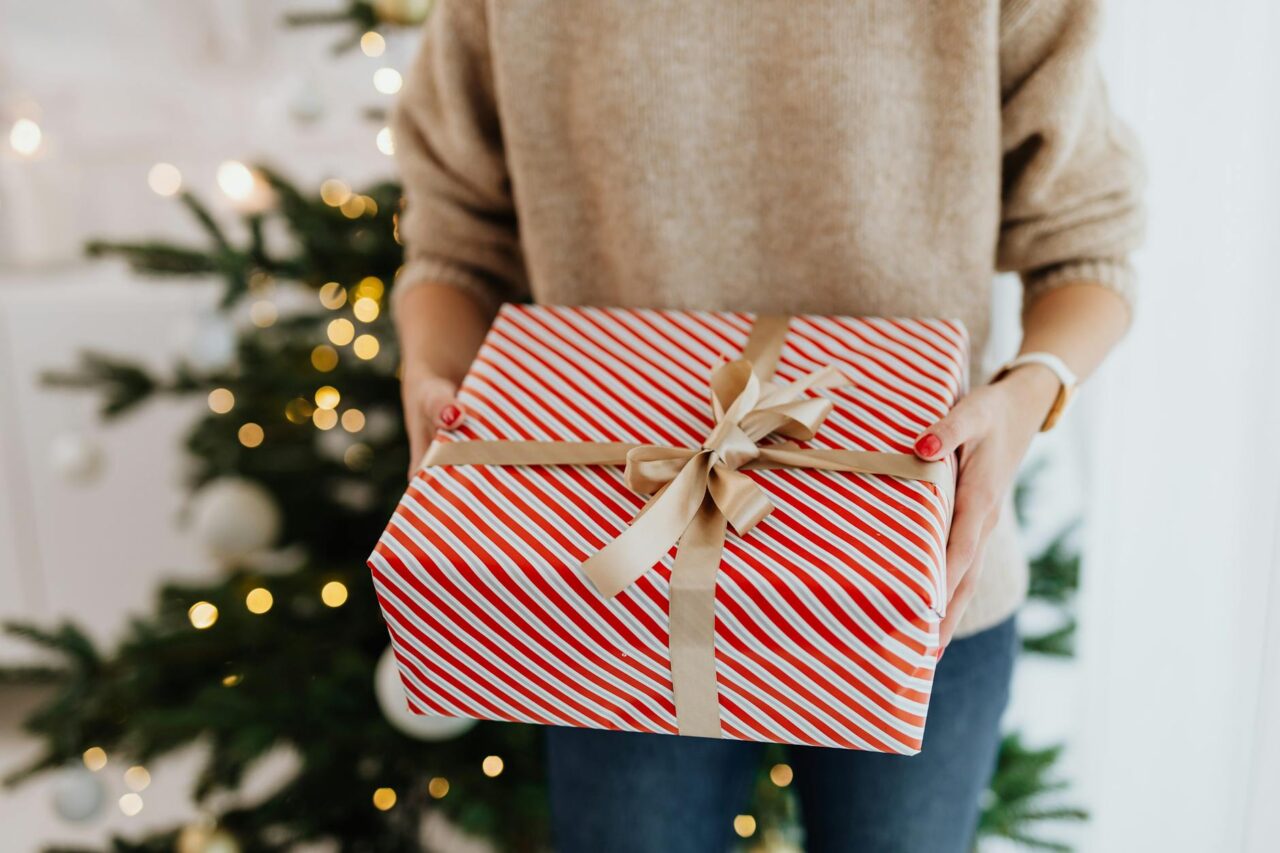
(200, 441)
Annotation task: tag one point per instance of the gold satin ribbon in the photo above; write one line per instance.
(695, 493)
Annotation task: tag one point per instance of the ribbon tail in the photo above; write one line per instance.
(635, 550)
(693, 623)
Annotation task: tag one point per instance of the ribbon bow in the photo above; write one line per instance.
(696, 492)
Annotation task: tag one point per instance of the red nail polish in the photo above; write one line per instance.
(928, 445)
(451, 415)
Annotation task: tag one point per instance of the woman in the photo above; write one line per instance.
(873, 157)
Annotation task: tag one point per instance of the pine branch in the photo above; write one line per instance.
(1059, 642)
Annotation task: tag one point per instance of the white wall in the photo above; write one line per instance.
(1181, 574)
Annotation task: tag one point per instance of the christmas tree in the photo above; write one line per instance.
(299, 461)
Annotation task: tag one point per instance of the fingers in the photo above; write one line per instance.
(958, 604)
(429, 405)
(962, 424)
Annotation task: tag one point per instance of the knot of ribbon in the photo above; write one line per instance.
(694, 493)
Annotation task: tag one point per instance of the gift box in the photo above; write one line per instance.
(693, 523)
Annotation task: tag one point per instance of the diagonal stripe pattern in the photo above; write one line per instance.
(826, 613)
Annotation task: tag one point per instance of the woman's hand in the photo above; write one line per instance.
(429, 404)
(992, 428)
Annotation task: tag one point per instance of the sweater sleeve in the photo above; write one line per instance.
(458, 225)
(1071, 197)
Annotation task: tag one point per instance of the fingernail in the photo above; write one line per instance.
(451, 415)
(928, 445)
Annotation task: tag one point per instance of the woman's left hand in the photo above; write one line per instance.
(992, 428)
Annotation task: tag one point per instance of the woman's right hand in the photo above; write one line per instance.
(429, 404)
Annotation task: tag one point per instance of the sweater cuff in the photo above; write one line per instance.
(431, 270)
(1115, 274)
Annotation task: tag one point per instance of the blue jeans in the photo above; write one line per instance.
(622, 792)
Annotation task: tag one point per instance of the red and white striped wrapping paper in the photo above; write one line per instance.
(826, 613)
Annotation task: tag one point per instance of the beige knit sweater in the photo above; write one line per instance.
(873, 157)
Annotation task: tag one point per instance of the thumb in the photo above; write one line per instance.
(959, 426)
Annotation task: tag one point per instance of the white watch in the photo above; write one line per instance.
(1066, 379)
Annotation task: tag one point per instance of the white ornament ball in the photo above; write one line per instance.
(212, 345)
(234, 518)
(76, 458)
(78, 795)
(391, 699)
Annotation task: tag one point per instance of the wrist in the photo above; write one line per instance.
(1032, 390)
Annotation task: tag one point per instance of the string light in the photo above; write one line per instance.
(263, 313)
(384, 799)
(25, 137)
(353, 208)
(358, 456)
(341, 331)
(327, 397)
(438, 787)
(250, 435)
(334, 192)
(136, 778)
(232, 680)
(744, 825)
(130, 804)
(334, 593)
(781, 775)
(365, 309)
(95, 758)
(202, 615)
(324, 358)
(373, 44)
(491, 766)
(386, 144)
(236, 180)
(164, 179)
(221, 401)
(370, 287)
(324, 418)
(365, 347)
(387, 81)
(259, 600)
(353, 420)
(333, 295)
(298, 410)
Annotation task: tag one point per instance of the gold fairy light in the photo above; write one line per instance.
(263, 313)
(333, 295)
(221, 401)
(781, 775)
(232, 680)
(384, 799)
(327, 397)
(298, 410)
(136, 778)
(324, 418)
(250, 435)
(365, 347)
(95, 758)
(130, 804)
(341, 331)
(202, 615)
(334, 192)
(236, 180)
(370, 206)
(372, 44)
(25, 137)
(491, 766)
(358, 456)
(438, 787)
(164, 179)
(385, 141)
(334, 593)
(365, 309)
(353, 208)
(353, 420)
(370, 287)
(324, 358)
(744, 825)
(259, 600)
(387, 80)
